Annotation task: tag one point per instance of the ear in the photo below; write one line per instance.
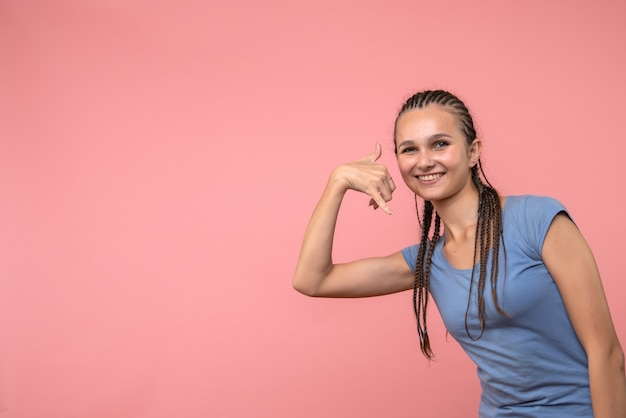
(474, 152)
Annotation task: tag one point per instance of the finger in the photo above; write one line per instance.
(381, 196)
(374, 155)
(391, 184)
(385, 192)
(380, 202)
(378, 151)
(387, 188)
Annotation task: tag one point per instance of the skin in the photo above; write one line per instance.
(435, 162)
(573, 268)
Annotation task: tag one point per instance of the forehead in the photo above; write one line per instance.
(425, 122)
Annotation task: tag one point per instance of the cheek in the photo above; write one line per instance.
(455, 159)
(404, 165)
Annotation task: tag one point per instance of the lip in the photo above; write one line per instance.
(429, 178)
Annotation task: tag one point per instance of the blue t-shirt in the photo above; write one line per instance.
(530, 364)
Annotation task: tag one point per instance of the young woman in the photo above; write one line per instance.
(513, 278)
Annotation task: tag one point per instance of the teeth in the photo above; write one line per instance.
(429, 177)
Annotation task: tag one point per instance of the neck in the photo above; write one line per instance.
(459, 214)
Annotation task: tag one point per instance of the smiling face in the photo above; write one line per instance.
(433, 154)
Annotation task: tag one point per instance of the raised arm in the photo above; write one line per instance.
(316, 274)
(574, 270)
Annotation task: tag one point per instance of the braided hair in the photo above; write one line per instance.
(488, 227)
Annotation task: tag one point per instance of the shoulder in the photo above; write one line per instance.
(529, 201)
(532, 208)
(410, 255)
(528, 218)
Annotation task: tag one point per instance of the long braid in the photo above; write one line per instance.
(488, 228)
(420, 289)
(431, 249)
(487, 241)
(422, 275)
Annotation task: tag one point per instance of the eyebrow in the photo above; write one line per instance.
(430, 138)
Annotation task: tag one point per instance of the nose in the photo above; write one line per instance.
(424, 160)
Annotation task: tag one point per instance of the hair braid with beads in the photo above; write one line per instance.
(488, 227)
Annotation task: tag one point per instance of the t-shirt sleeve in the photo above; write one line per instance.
(410, 256)
(536, 217)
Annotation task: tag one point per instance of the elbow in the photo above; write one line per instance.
(312, 282)
(616, 357)
(307, 291)
(305, 287)
(611, 357)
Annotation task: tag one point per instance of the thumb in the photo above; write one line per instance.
(374, 155)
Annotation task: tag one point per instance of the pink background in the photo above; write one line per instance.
(159, 161)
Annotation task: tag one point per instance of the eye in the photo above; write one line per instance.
(440, 144)
(407, 149)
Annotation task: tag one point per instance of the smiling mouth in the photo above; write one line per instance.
(429, 177)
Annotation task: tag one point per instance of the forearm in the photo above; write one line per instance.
(608, 385)
(315, 260)
(315, 273)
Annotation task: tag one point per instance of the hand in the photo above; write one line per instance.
(365, 176)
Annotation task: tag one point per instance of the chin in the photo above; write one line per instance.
(433, 197)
